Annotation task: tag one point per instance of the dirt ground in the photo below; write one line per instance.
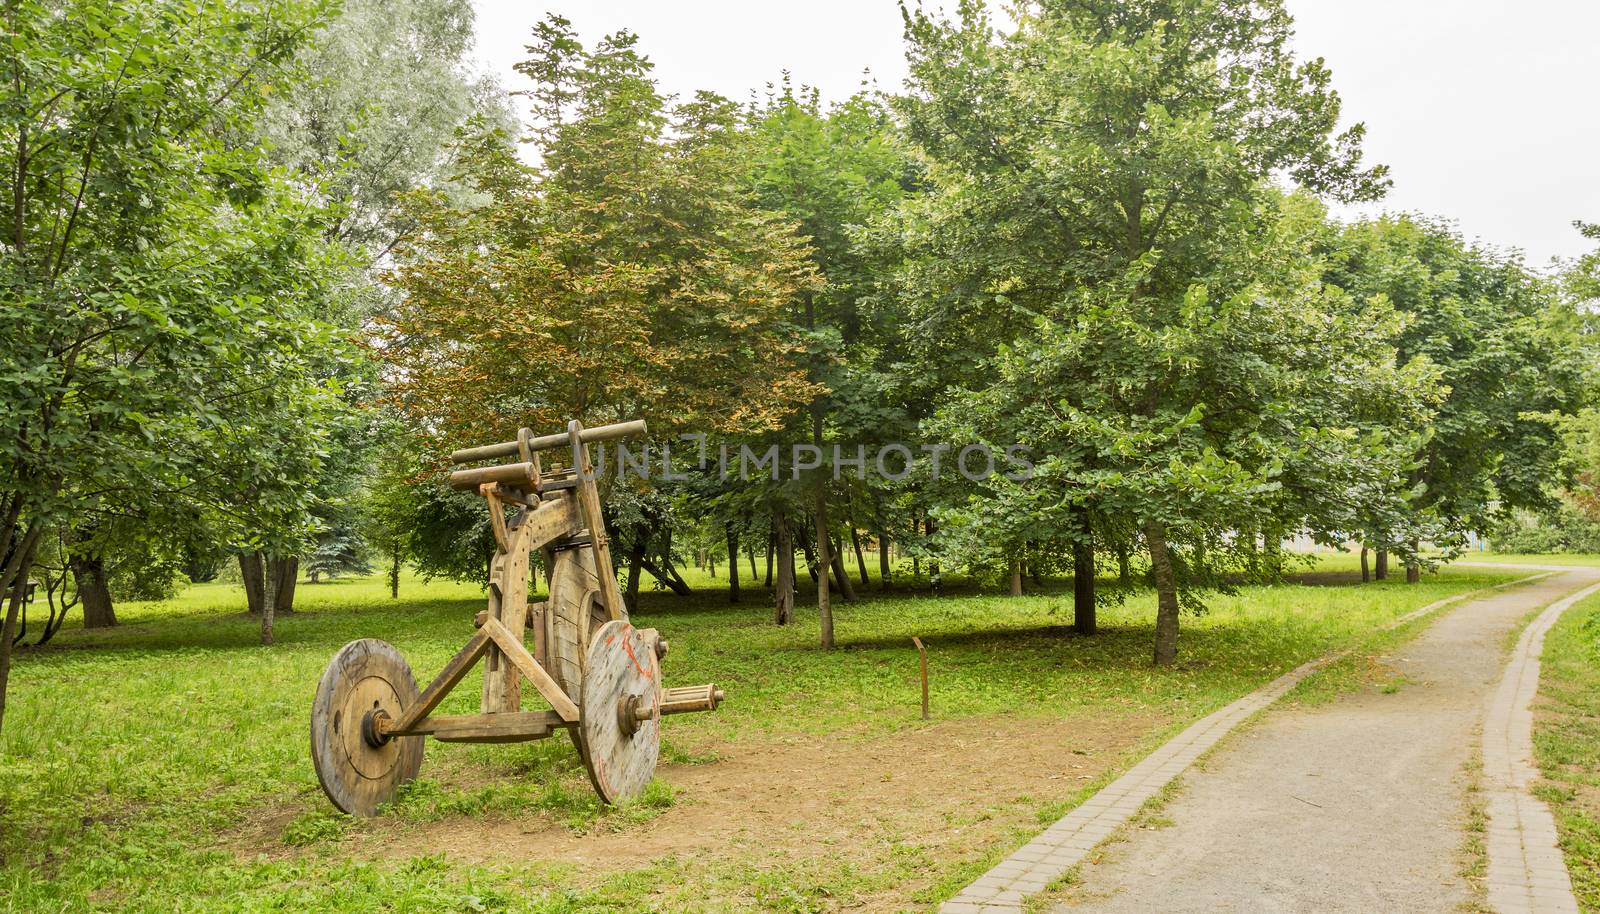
(953, 788)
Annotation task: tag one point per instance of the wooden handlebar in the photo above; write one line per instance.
(546, 442)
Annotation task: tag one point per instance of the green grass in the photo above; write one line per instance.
(1566, 741)
(1513, 558)
(147, 768)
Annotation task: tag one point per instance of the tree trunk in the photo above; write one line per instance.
(1366, 573)
(1380, 569)
(635, 565)
(667, 576)
(1166, 646)
(1016, 577)
(286, 571)
(933, 565)
(90, 574)
(733, 563)
(14, 581)
(250, 574)
(840, 577)
(783, 593)
(750, 553)
(772, 546)
(1085, 619)
(1413, 565)
(883, 559)
(810, 553)
(394, 573)
(916, 558)
(861, 559)
(269, 604)
(1124, 572)
(1273, 547)
(824, 599)
(1252, 564)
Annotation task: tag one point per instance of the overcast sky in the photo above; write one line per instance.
(1485, 110)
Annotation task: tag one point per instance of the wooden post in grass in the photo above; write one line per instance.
(922, 655)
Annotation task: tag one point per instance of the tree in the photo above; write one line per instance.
(385, 90)
(339, 550)
(834, 172)
(626, 275)
(155, 274)
(1510, 358)
(1100, 214)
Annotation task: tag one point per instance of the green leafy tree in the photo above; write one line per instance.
(386, 87)
(1098, 235)
(1509, 355)
(833, 172)
(156, 339)
(383, 92)
(628, 274)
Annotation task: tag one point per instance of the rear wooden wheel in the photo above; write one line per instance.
(358, 770)
(576, 611)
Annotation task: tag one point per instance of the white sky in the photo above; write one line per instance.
(1485, 110)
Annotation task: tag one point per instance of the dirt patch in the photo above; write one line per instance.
(950, 790)
(812, 793)
(262, 831)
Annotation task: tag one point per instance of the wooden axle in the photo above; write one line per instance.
(510, 727)
(686, 699)
(522, 726)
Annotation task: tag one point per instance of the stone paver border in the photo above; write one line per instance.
(1004, 889)
(1527, 874)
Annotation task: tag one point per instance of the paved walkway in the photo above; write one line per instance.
(1526, 871)
(1353, 806)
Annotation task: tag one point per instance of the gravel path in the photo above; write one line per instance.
(1357, 805)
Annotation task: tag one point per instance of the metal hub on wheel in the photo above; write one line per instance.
(359, 768)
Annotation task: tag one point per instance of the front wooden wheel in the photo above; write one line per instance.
(359, 770)
(619, 723)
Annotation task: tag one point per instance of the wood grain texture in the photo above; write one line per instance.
(571, 619)
(512, 650)
(453, 673)
(365, 675)
(492, 728)
(621, 664)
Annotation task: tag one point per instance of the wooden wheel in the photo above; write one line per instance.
(576, 611)
(619, 724)
(359, 771)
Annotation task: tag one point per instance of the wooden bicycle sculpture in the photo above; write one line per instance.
(599, 674)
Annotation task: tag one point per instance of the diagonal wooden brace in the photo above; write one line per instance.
(511, 647)
(448, 678)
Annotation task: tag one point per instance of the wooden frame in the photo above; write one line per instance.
(532, 511)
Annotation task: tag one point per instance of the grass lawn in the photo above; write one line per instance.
(1566, 741)
(163, 765)
(1513, 558)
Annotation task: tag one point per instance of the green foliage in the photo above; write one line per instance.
(158, 341)
(1102, 271)
(1565, 530)
(339, 550)
(625, 275)
(1508, 354)
(382, 92)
